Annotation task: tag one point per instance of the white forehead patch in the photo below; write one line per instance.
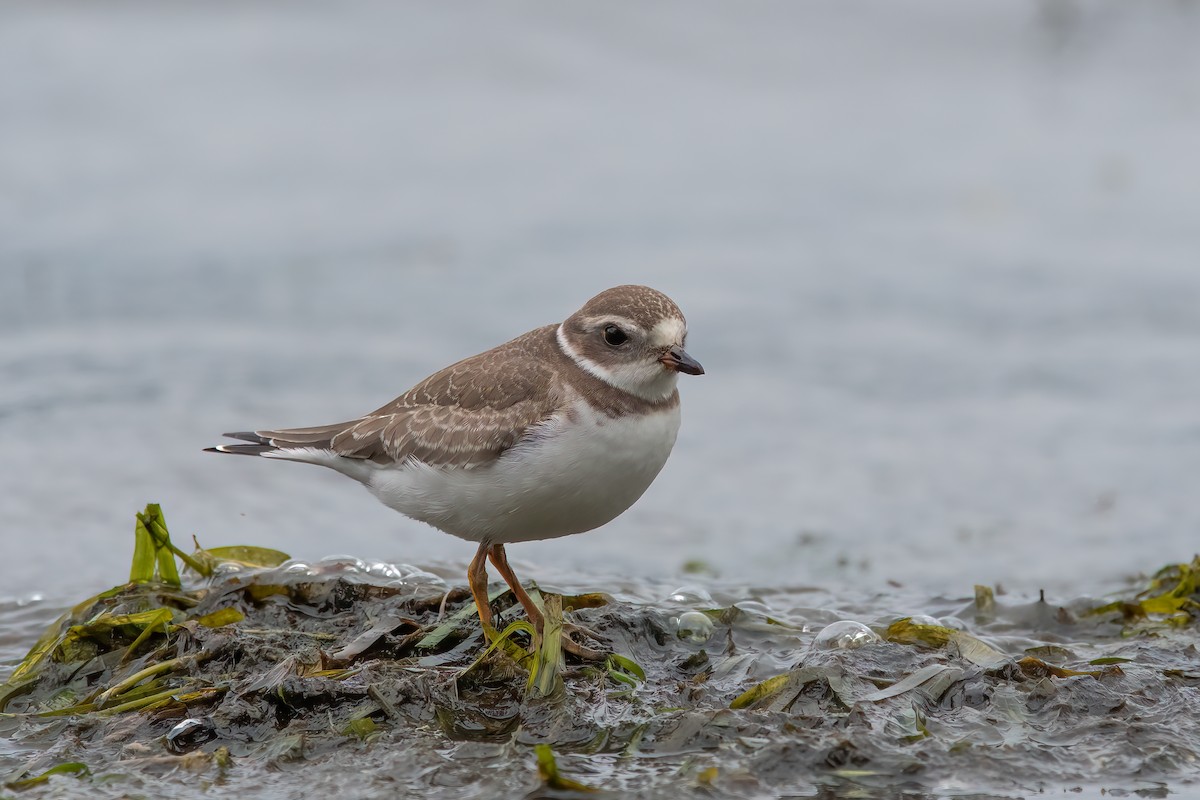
(668, 332)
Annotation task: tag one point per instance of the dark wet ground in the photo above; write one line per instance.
(349, 683)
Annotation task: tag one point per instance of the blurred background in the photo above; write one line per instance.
(941, 261)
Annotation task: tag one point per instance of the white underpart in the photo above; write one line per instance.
(576, 473)
(356, 468)
(649, 379)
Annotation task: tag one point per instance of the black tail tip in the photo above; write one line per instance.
(242, 449)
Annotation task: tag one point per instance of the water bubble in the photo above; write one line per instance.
(299, 567)
(225, 568)
(846, 634)
(190, 734)
(692, 596)
(382, 569)
(693, 627)
(753, 607)
(339, 564)
(402, 574)
(421, 576)
(924, 619)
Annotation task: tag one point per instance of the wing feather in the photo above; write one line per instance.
(465, 415)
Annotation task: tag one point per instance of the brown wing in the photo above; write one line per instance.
(465, 415)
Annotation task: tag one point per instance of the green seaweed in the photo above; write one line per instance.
(240, 554)
(75, 768)
(547, 768)
(545, 677)
(1170, 595)
(287, 666)
(153, 554)
(456, 622)
(761, 692)
(625, 670)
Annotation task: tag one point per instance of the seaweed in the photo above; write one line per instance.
(1171, 598)
(200, 668)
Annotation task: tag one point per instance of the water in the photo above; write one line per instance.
(939, 262)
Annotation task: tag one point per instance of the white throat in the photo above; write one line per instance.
(648, 381)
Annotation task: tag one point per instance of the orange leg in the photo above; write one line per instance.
(500, 561)
(477, 580)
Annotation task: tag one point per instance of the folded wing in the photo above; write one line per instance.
(464, 416)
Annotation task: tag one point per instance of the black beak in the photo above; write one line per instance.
(680, 361)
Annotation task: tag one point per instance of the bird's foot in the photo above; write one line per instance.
(580, 650)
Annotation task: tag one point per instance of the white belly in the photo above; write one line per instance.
(573, 478)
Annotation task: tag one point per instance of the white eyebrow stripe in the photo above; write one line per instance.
(587, 364)
(614, 319)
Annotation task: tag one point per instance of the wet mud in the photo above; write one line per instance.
(294, 679)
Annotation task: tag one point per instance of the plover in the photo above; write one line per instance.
(553, 433)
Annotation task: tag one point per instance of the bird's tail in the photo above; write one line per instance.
(305, 445)
(264, 443)
(260, 445)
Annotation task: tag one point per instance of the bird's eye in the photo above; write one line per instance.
(614, 336)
